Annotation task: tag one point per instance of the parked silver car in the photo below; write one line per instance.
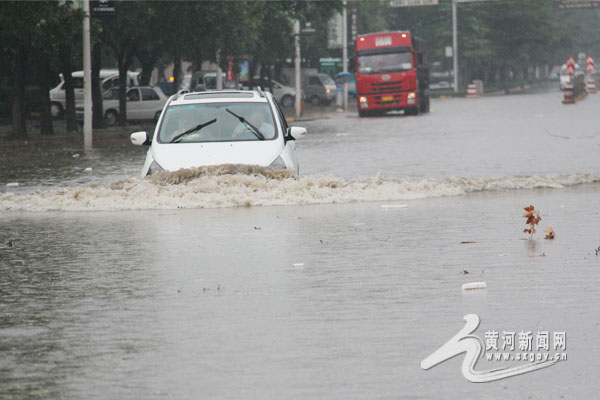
(143, 103)
(109, 78)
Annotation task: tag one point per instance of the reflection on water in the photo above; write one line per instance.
(38, 166)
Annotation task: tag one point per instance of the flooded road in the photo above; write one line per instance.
(150, 296)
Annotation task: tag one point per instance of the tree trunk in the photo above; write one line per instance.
(176, 73)
(65, 67)
(19, 130)
(147, 68)
(252, 71)
(45, 75)
(97, 107)
(269, 81)
(123, 61)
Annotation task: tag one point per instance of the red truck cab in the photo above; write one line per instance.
(391, 73)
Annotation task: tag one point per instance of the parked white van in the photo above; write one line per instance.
(109, 78)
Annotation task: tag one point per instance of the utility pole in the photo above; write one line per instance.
(297, 68)
(454, 47)
(219, 81)
(345, 52)
(454, 37)
(87, 78)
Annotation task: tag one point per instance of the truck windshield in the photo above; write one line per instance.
(217, 122)
(381, 63)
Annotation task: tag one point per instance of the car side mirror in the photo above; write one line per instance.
(140, 138)
(296, 132)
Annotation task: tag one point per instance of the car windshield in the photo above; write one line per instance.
(227, 127)
(111, 94)
(389, 62)
(327, 80)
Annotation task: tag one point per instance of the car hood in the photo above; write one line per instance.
(174, 156)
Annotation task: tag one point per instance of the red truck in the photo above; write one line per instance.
(391, 73)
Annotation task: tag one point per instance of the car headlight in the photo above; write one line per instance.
(154, 168)
(411, 98)
(278, 163)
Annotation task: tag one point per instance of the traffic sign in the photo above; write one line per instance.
(589, 64)
(411, 3)
(103, 8)
(574, 4)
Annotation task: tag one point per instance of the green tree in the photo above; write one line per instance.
(18, 21)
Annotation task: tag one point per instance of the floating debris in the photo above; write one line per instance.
(10, 243)
(88, 169)
(474, 286)
(359, 223)
(75, 155)
(12, 184)
(464, 272)
(298, 265)
(467, 242)
(502, 255)
(257, 228)
(550, 234)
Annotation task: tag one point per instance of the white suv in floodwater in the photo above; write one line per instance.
(220, 127)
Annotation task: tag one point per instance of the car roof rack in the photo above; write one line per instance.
(181, 92)
(260, 91)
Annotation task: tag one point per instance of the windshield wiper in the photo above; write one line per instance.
(244, 121)
(192, 130)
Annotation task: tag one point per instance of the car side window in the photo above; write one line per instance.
(110, 82)
(77, 83)
(149, 94)
(133, 95)
(313, 80)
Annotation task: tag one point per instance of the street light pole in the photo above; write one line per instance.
(297, 67)
(345, 52)
(454, 47)
(87, 78)
(454, 37)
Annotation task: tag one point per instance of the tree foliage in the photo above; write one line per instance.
(496, 40)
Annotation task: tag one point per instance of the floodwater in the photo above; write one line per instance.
(192, 285)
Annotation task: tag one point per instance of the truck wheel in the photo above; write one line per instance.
(363, 114)
(424, 107)
(56, 110)
(111, 117)
(287, 101)
(411, 111)
(315, 100)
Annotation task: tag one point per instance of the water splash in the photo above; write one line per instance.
(243, 185)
